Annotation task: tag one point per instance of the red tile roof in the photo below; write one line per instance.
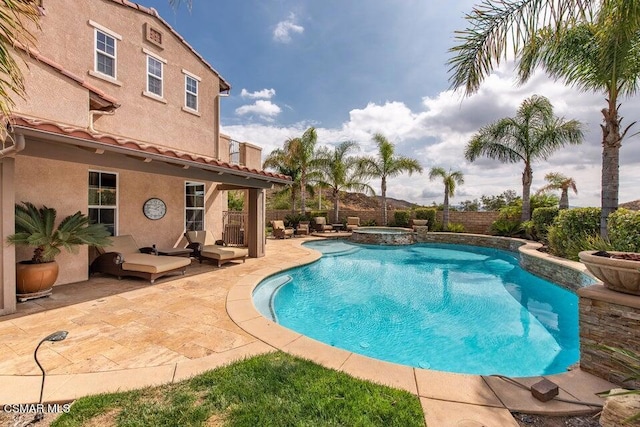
(151, 11)
(142, 147)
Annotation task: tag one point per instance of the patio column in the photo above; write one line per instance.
(7, 227)
(255, 226)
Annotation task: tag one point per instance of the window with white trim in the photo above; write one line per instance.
(103, 199)
(105, 54)
(191, 92)
(194, 206)
(154, 76)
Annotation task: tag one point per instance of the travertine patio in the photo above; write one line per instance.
(129, 334)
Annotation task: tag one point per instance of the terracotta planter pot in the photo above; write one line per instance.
(35, 280)
(616, 274)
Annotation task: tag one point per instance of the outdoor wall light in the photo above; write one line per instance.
(54, 337)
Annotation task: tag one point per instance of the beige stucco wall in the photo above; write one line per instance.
(49, 95)
(68, 38)
(64, 186)
(251, 155)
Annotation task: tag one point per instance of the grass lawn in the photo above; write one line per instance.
(275, 389)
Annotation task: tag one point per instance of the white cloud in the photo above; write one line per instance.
(284, 29)
(260, 94)
(264, 109)
(437, 134)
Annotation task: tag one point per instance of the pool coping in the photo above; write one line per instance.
(485, 393)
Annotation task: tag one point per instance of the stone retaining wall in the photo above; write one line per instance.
(612, 319)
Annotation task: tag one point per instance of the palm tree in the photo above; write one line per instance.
(282, 160)
(16, 15)
(304, 155)
(590, 44)
(450, 179)
(341, 172)
(557, 181)
(533, 134)
(386, 165)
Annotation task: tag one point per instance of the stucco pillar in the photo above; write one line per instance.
(7, 227)
(256, 212)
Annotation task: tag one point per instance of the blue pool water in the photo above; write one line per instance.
(445, 307)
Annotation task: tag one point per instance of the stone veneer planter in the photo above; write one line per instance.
(394, 236)
(619, 275)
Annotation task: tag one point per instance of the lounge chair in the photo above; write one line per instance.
(353, 222)
(321, 224)
(415, 223)
(303, 228)
(123, 258)
(204, 246)
(280, 231)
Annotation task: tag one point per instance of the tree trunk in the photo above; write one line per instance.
(303, 194)
(527, 178)
(336, 200)
(611, 142)
(564, 199)
(383, 196)
(445, 211)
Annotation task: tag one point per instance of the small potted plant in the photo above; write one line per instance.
(36, 227)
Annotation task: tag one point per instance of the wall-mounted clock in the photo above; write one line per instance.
(154, 208)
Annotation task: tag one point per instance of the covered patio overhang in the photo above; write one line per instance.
(41, 139)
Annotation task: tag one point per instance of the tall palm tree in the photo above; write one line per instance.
(557, 181)
(282, 160)
(590, 44)
(450, 179)
(15, 17)
(533, 134)
(386, 165)
(339, 171)
(305, 152)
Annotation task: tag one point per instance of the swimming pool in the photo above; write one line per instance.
(445, 307)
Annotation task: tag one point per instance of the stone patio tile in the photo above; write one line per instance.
(238, 292)
(398, 376)
(582, 385)
(154, 355)
(220, 340)
(192, 350)
(194, 367)
(455, 387)
(20, 365)
(94, 363)
(270, 332)
(520, 400)
(323, 354)
(453, 414)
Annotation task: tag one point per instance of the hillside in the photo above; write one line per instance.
(358, 201)
(635, 205)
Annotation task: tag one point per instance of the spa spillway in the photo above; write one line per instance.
(383, 236)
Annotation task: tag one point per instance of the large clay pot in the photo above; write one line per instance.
(616, 274)
(35, 280)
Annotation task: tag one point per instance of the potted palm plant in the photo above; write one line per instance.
(36, 227)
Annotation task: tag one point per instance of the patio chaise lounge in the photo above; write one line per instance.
(321, 224)
(353, 222)
(280, 231)
(123, 258)
(204, 246)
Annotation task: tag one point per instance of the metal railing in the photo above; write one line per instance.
(234, 226)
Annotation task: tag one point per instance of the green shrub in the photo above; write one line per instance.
(570, 228)
(623, 226)
(292, 220)
(542, 219)
(529, 229)
(368, 223)
(428, 214)
(401, 218)
(586, 242)
(506, 227)
(455, 227)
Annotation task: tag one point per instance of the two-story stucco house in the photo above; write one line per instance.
(121, 109)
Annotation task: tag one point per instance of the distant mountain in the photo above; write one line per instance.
(359, 201)
(635, 205)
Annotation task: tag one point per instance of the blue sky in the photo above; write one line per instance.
(355, 68)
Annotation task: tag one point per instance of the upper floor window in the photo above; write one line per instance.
(154, 76)
(191, 92)
(105, 54)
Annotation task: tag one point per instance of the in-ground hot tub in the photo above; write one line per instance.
(383, 236)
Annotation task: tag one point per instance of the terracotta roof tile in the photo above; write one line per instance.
(143, 148)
